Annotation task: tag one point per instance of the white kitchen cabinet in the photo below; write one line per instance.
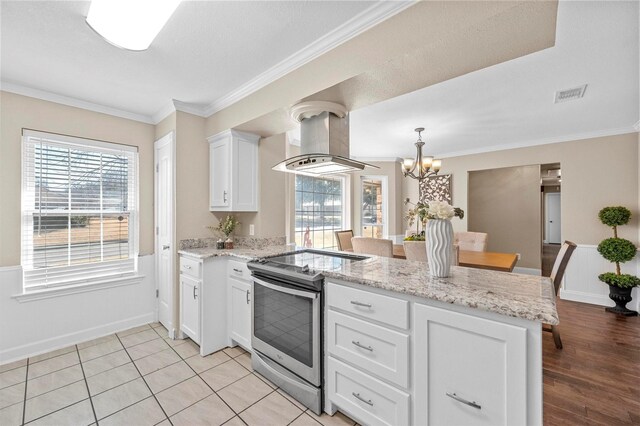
(233, 171)
(239, 305)
(468, 370)
(190, 307)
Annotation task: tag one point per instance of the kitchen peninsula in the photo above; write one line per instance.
(401, 347)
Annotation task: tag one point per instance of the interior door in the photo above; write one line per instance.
(554, 230)
(164, 218)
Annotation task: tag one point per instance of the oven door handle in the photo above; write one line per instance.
(307, 294)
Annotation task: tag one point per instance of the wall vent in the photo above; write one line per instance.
(570, 94)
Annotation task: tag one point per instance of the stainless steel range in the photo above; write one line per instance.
(286, 325)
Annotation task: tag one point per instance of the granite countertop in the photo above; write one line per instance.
(521, 296)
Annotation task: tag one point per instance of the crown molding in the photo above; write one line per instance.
(168, 109)
(544, 141)
(360, 23)
(73, 102)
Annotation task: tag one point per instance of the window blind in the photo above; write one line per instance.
(79, 210)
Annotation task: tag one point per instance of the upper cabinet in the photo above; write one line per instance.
(233, 171)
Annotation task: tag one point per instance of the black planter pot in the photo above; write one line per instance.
(621, 296)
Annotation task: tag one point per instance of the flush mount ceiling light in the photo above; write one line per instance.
(130, 24)
(426, 166)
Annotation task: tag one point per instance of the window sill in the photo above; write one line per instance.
(78, 288)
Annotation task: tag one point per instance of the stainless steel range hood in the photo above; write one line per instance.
(324, 141)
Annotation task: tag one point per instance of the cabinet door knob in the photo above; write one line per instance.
(366, 401)
(464, 401)
(187, 267)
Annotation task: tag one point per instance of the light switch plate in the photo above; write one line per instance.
(252, 229)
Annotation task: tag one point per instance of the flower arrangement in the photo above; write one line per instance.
(226, 226)
(421, 212)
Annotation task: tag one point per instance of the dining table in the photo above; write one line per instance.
(504, 262)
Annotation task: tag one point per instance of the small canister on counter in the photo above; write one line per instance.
(228, 244)
(220, 244)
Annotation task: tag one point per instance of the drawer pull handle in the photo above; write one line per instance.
(464, 401)
(187, 267)
(366, 401)
(360, 345)
(248, 300)
(366, 305)
(238, 270)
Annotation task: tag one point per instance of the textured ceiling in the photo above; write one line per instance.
(511, 104)
(206, 50)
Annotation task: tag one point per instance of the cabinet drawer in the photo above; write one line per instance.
(373, 348)
(238, 270)
(191, 267)
(387, 310)
(370, 400)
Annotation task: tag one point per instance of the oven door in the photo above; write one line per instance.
(285, 326)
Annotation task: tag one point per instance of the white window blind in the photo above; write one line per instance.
(79, 210)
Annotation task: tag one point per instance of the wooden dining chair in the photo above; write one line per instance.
(471, 241)
(557, 273)
(344, 240)
(417, 250)
(375, 246)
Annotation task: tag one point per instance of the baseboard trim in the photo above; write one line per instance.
(578, 296)
(54, 343)
(527, 271)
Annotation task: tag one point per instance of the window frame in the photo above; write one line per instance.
(344, 199)
(102, 271)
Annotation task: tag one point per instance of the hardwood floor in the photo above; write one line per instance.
(595, 379)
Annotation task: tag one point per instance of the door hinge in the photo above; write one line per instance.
(157, 293)
(157, 167)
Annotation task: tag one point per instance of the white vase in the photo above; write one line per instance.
(439, 236)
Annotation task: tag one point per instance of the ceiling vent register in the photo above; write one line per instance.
(570, 94)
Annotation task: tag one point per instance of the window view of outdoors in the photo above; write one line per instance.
(319, 211)
(372, 220)
(80, 207)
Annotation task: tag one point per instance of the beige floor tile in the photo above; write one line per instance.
(156, 325)
(80, 414)
(224, 374)
(245, 361)
(235, 351)
(55, 380)
(13, 377)
(96, 351)
(264, 379)
(235, 421)
(292, 399)
(163, 332)
(168, 376)
(147, 348)
(104, 363)
(52, 401)
(139, 337)
(52, 364)
(52, 354)
(305, 420)
(175, 342)
(97, 341)
(112, 378)
(273, 410)
(121, 397)
(200, 363)
(244, 392)
(11, 415)
(187, 350)
(338, 419)
(11, 395)
(182, 395)
(164, 423)
(210, 411)
(133, 330)
(12, 365)
(157, 361)
(144, 413)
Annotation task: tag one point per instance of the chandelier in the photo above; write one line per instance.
(423, 166)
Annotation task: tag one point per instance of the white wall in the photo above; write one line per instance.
(37, 326)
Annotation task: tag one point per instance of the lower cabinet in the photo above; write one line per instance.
(239, 306)
(190, 307)
(468, 370)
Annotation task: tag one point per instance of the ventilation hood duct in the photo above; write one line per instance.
(324, 141)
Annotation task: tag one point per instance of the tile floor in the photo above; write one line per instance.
(141, 377)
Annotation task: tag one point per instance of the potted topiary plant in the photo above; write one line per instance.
(618, 250)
